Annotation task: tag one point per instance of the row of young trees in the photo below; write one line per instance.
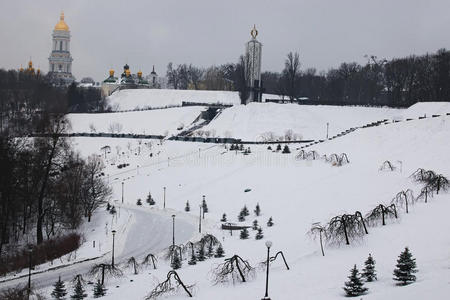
(45, 186)
(397, 82)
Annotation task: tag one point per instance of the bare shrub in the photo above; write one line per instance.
(381, 213)
(344, 228)
(171, 284)
(387, 166)
(102, 271)
(233, 269)
(318, 230)
(131, 262)
(404, 198)
(151, 260)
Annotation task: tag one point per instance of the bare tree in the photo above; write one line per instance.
(404, 198)
(195, 75)
(387, 166)
(96, 191)
(105, 270)
(172, 283)
(425, 193)
(131, 262)
(291, 75)
(381, 212)
(233, 269)
(150, 259)
(318, 230)
(173, 77)
(343, 228)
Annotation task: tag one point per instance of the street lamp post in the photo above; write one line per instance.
(112, 260)
(173, 231)
(203, 203)
(268, 245)
(200, 220)
(164, 197)
(30, 249)
(122, 191)
(328, 124)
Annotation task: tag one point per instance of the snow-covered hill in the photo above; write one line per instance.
(295, 193)
(151, 98)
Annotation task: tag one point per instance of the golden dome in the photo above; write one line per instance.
(61, 24)
(139, 74)
(127, 72)
(254, 32)
(111, 73)
(30, 64)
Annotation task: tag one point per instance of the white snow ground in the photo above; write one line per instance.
(151, 98)
(297, 193)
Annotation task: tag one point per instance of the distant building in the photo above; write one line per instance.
(30, 70)
(129, 81)
(60, 60)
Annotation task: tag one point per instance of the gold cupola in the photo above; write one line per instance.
(127, 72)
(139, 74)
(61, 26)
(111, 73)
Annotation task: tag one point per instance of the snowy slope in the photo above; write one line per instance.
(254, 121)
(145, 98)
(295, 193)
(157, 122)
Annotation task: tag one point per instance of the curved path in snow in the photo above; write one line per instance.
(150, 232)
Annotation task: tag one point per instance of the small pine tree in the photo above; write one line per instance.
(406, 266)
(249, 150)
(278, 147)
(232, 147)
(201, 253)
(369, 272)
(244, 211)
(219, 252)
(187, 207)
(192, 261)
(176, 261)
(241, 217)
(113, 210)
(59, 290)
(108, 206)
(270, 222)
(241, 147)
(259, 235)
(224, 218)
(255, 225)
(286, 149)
(244, 234)
(139, 202)
(210, 252)
(149, 199)
(78, 291)
(257, 210)
(355, 286)
(269, 148)
(204, 206)
(99, 290)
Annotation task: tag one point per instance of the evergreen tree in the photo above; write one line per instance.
(204, 206)
(369, 272)
(99, 290)
(201, 253)
(232, 147)
(139, 202)
(278, 147)
(249, 150)
(270, 222)
(241, 217)
(219, 251)
(286, 149)
(355, 286)
(244, 234)
(244, 211)
(241, 147)
(78, 291)
(224, 218)
(210, 252)
(406, 267)
(259, 235)
(150, 200)
(269, 148)
(108, 206)
(59, 290)
(257, 210)
(176, 261)
(255, 225)
(187, 208)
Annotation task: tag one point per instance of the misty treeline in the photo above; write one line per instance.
(46, 188)
(24, 97)
(398, 82)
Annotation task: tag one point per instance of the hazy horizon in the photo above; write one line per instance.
(108, 34)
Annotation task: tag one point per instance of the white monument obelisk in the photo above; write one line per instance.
(253, 52)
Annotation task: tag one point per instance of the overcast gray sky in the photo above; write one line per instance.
(109, 33)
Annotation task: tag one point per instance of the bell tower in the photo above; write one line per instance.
(60, 60)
